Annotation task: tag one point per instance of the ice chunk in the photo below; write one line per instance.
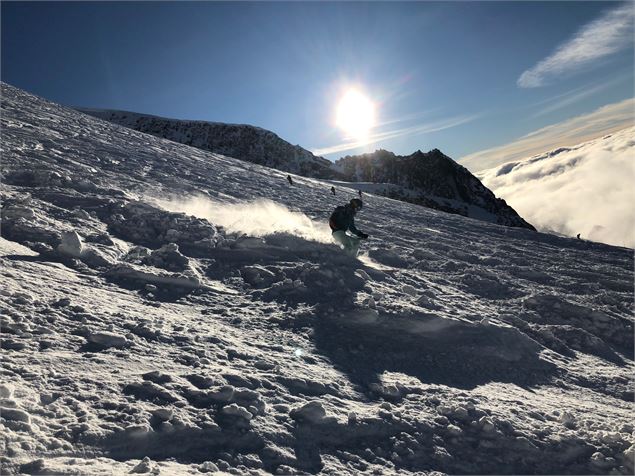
(6, 390)
(145, 466)
(208, 467)
(312, 412)
(71, 244)
(14, 414)
(107, 339)
(163, 414)
(223, 394)
(238, 411)
(408, 289)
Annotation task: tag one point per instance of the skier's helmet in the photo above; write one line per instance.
(356, 203)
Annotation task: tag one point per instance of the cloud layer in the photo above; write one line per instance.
(607, 35)
(607, 119)
(587, 189)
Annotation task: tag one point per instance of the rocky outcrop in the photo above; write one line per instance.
(430, 179)
(240, 141)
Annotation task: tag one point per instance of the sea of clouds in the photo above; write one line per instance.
(587, 189)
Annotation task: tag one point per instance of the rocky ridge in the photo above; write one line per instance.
(430, 179)
(433, 180)
(241, 141)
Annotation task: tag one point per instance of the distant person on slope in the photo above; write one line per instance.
(360, 193)
(333, 190)
(342, 224)
(290, 179)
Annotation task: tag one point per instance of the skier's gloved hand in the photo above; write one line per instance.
(363, 236)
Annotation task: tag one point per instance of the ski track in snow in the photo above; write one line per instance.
(139, 339)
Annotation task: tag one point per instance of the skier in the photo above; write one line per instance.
(333, 190)
(343, 226)
(360, 193)
(579, 236)
(290, 179)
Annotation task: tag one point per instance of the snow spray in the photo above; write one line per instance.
(258, 218)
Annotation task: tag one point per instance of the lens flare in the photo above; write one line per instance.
(355, 115)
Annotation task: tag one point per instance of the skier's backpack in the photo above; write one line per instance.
(336, 222)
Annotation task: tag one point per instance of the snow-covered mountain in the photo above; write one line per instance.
(166, 309)
(241, 141)
(586, 189)
(431, 179)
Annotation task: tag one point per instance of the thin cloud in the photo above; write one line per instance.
(605, 120)
(407, 131)
(551, 99)
(408, 118)
(607, 35)
(575, 95)
(572, 98)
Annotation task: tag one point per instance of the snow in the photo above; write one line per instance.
(222, 330)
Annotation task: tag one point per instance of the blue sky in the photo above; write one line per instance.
(461, 77)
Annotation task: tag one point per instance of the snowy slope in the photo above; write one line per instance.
(431, 179)
(241, 141)
(139, 339)
(586, 189)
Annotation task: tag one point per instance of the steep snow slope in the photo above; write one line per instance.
(241, 141)
(137, 338)
(586, 189)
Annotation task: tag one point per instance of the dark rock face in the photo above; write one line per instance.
(244, 142)
(433, 180)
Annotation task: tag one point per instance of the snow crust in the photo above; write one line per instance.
(203, 322)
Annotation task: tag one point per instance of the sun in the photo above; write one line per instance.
(355, 115)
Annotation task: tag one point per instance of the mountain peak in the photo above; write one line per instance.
(430, 179)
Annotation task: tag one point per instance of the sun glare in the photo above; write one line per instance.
(355, 115)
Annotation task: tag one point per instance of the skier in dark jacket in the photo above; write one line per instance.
(342, 223)
(290, 179)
